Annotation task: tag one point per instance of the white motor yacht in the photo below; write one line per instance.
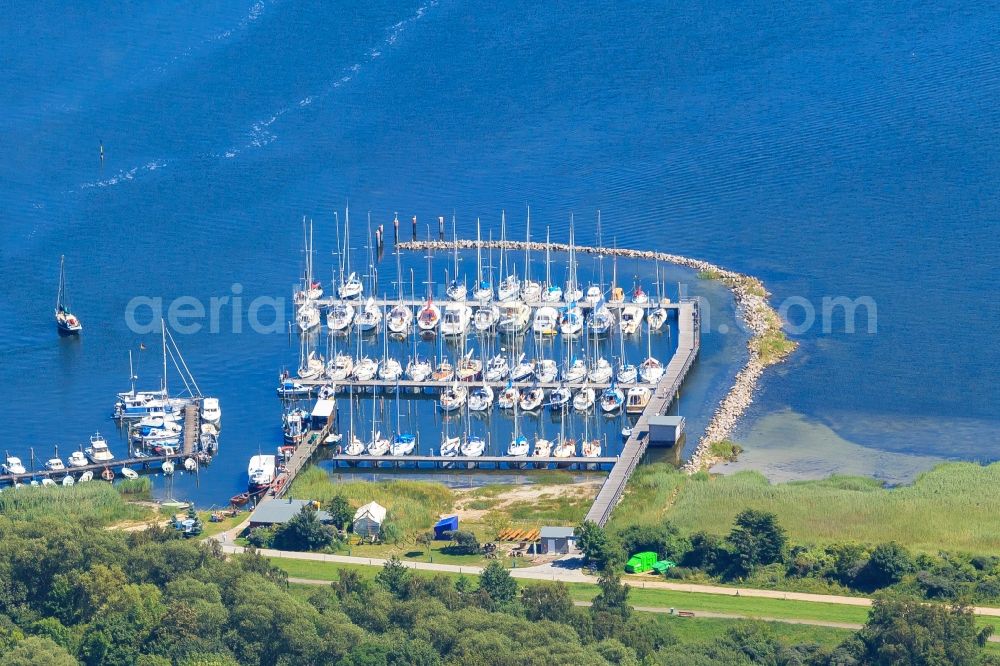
(13, 465)
(456, 319)
(98, 451)
(77, 459)
(211, 412)
(631, 319)
(546, 321)
(55, 465)
(514, 317)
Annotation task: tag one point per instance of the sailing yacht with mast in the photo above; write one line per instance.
(456, 290)
(484, 288)
(352, 286)
(553, 292)
(531, 291)
(510, 285)
(572, 292)
(68, 323)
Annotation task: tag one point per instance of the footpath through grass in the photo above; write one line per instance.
(952, 507)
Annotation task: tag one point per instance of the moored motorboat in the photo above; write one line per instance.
(98, 451)
(486, 317)
(636, 399)
(545, 321)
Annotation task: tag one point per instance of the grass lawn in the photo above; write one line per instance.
(952, 507)
(210, 529)
(706, 629)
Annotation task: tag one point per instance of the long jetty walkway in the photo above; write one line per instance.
(688, 343)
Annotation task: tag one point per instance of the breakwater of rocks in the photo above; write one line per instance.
(760, 319)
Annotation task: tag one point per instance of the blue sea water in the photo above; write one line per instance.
(843, 150)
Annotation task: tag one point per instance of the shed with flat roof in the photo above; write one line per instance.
(557, 540)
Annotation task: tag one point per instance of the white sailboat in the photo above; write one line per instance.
(67, 322)
(572, 293)
(484, 288)
(486, 317)
(553, 292)
(352, 286)
(453, 397)
(481, 398)
(531, 291)
(456, 290)
(510, 285)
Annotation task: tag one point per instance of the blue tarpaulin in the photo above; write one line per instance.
(448, 524)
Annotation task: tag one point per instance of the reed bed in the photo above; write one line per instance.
(953, 507)
(91, 504)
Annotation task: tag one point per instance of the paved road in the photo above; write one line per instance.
(574, 575)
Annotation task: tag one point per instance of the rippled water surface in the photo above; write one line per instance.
(844, 150)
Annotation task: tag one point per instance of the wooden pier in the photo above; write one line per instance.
(688, 344)
(151, 463)
(192, 428)
(519, 462)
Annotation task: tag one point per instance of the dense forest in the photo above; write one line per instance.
(70, 594)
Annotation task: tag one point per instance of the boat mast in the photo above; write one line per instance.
(479, 257)
(600, 246)
(340, 250)
(454, 237)
(163, 335)
(548, 259)
(527, 247)
(347, 239)
(503, 242)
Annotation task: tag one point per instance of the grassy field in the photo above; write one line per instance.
(750, 607)
(93, 504)
(413, 505)
(952, 507)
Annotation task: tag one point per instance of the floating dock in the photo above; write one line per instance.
(150, 463)
(688, 343)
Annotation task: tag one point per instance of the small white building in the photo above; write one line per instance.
(368, 519)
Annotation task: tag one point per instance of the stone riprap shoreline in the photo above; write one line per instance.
(760, 319)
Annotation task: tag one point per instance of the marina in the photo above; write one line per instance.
(554, 380)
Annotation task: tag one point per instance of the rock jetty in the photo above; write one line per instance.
(761, 320)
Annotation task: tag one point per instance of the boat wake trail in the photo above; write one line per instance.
(124, 176)
(260, 133)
